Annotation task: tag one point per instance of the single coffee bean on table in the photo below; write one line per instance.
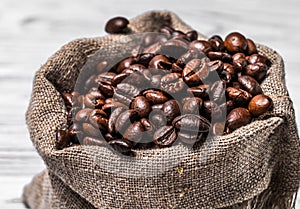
(176, 89)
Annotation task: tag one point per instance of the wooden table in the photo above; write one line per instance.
(30, 31)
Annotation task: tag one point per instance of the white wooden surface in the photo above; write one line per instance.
(32, 30)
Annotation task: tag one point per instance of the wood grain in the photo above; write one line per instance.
(31, 31)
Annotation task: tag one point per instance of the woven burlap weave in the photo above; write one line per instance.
(255, 167)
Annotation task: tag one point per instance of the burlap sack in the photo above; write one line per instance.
(257, 166)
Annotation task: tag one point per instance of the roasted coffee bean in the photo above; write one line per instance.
(171, 110)
(226, 77)
(68, 99)
(155, 97)
(177, 34)
(251, 47)
(223, 56)
(134, 132)
(250, 85)
(93, 101)
(201, 45)
(172, 83)
(108, 137)
(155, 81)
(121, 145)
(165, 136)
(113, 118)
(116, 25)
(239, 64)
(199, 91)
(83, 115)
(216, 43)
(191, 123)
(98, 119)
(62, 139)
(105, 77)
(174, 48)
(230, 69)
(90, 82)
(218, 128)
(124, 120)
(216, 66)
(126, 63)
(211, 110)
(192, 53)
(126, 92)
(141, 105)
(238, 56)
(145, 58)
(118, 78)
(111, 106)
(237, 118)
(259, 105)
(192, 35)
(235, 42)
(90, 130)
(94, 141)
(257, 71)
(188, 137)
(158, 119)
(239, 96)
(153, 49)
(75, 133)
(149, 127)
(217, 91)
(159, 61)
(166, 30)
(255, 58)
(137, 67)
(103, 66)
(192, 106)
(195, 71)
(151, 38)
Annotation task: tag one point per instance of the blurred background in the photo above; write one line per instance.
(32, 30)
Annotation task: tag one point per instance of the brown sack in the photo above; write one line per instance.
(255, 167)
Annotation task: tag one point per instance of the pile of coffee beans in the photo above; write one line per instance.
(173, 89)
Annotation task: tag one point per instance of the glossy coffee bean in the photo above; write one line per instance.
(191, 123)
(75, 133)
(239, 96)
(259, 105)
(192, 106)
(155, 81)
(106, 89)
(165, 136)
(192, 35)
(216, 43)
(223, 56)
(230, 69)
(178, 34)
(158, 119)
(251, 47)
(121, 145)
(116, 25)
(174, 48)
(126, 63)
(68, 99)
(94, 141)
(171, 110)
(145, 58)
(250, 85)
(155, 97)
(90, 130)
(126, 92)
(141, 105)
(238, 56)
(211, 110)
(200, 91)
(124, 120)
(216, 66)
(195, 71)
(134, 132)
(83, 115)
(188, 137)
(188, 56)
(237, 118)
(257, 71)
(158, 62)
(239, 64)
(62, 139)
(172, 83)
(103, 66)
(113, 118)
(217, 91)
(218, 128)
(148, 126)
(98, 119)
(166, 30)
(235, 42)
(201, 45)
(255, 58)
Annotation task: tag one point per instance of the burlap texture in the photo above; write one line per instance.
(255, 167)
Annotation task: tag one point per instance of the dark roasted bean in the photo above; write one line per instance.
(121, 145)
(113, 118)
(192, 35)
(223, 56)
(124, 120)
(251, 47)
(211, 110)
(259, 105)
(257, 71)
(201, 45)
(217, 66)
(126, 63)
(195, 71)
(94, 141)
(174, 48)
(62, 139)
(199, 91)
(216, 43)
(235, 42)
(98, 119)
(188, 137)
(158, 119)
(171, 110)
(158, 62)
(172, 83)
(192, 106)
(217, 91)
(191, 123)
(239, 96)
(165, 136)
(141, 105)
(155, 97)
(237, 118)
(218, 128)
(90, 130)
(83, 115)
(250, 85)
(255, 58)
(134, 132)
(116, 25)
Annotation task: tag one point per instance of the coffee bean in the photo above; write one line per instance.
(68, 99)
(171, 110)
(94, 141)
(201, 45)
(121, 145)
(250, 85)
(172, 83)
(238, 56)
(216, 43)
(155, 97)
(83, 115)
(218, 128)
(98, 119)
(239, 96)
(124, 120)
(192, 105)
(134, 132)
(145, 58)
(165, 136)
(113, 118)
(62, 139)
(177, 34)
(211, 110)
(217, 66)
(199, 91)
(251, 47)
(259, 105)
(239, 64)
(103, 66)
(237, 118)
(223, 56)
(75, 133)
(158, 119)
(255, 58)
(191, 123)
(166, 30)
(174, 48)
(188, 137)
(141, 105)
(195, 72)
(192, 53)
(155, 81)
(158, 62)
(126, 63)
(90, 130)
(149, 127)
(257, 70)
(192, 35)
(126, 92)
(116, 25)
(235, 42)
(217, 91)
